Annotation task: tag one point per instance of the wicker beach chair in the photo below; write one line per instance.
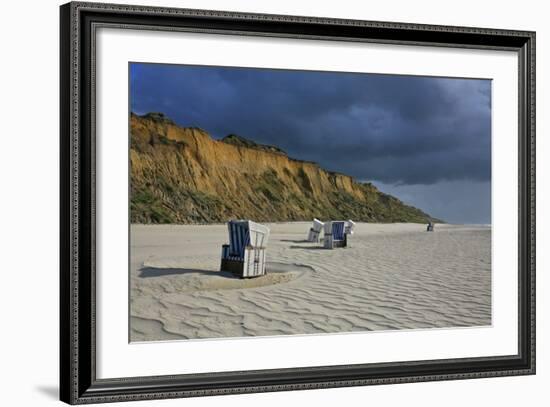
(244, 256)
(430, 227)
(335, 234)
(315, 231)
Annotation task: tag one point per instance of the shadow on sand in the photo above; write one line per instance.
(307, 247)
(271, 268)
(295, 241)
(159, 272)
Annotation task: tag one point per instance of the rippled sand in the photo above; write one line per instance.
(393, 276)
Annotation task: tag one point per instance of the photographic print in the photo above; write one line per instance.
(286, 202)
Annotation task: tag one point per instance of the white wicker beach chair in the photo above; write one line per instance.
(315, 231)
(244, 256)
(350, 225)
(430, 227)
(335, 234)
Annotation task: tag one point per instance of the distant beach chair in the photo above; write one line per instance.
(335, 234)
(350, 225)
(430, 227)
(315, 231)
(244, 256)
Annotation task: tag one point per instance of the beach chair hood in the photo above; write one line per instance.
(243, 233)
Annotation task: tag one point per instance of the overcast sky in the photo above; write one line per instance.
(425, 140)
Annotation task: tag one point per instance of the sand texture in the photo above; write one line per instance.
(392, 276)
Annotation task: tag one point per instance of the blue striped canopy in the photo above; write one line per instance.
(239, 237)
(338, 230)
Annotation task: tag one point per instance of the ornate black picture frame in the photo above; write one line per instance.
(78, 381)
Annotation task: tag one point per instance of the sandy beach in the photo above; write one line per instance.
(392, 276)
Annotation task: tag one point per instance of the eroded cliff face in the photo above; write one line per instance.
(182, 175)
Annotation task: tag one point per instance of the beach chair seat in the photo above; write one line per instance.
(245, 255)
(315, 231)
(335, 234)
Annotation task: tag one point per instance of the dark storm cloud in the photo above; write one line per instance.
(393, 129)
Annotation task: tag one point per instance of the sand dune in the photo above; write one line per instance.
(393, 276)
